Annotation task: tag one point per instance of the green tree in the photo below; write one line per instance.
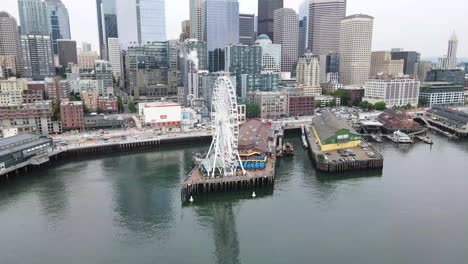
(343, 95)
(252, 110)
(73, 98)
(132, 107)
(380, 106)
(423, 102)
(366, 105)
(120, 104)
(85, 109)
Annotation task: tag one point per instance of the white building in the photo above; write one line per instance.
(308, 74)
(450, 61)
(273, 105)
(11, 91)
(78, 86)
(442, 93)
(87, 59)
(115, 58)
(392, 91)
(271, 54)
(355, 49)
(286, 33)
(161, 114)
(326, 100)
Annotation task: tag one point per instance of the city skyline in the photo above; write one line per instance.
(429, 37)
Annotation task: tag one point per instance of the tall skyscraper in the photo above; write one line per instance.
(196, 27)
(286, 33)
(247, 29)
(151, 20)
(185, 30)
(33, 17)
(107, 23)
(308, 74)
(271, 54)
(10, 45)
(304, 14)
(450, 61)
(266, 13)
(245, 64)
(115, 57)
(220, 23)
(411, 58)
(67, 52)
(355, 49)
(381, 62)
(324, 25)
(302, 45)
(38, 57)
(59, 23)
(104, 74)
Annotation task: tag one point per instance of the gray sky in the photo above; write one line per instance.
(422, 25)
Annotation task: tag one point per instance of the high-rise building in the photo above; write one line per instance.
(247, 29)
(38, 57)
(86, 60)
(86, 47)
(151, 20)
(304, 15)
(286, 33)
(308, 74)
(450, 61)
(271, 54)
(67, 52)
(103, 71)
(193, 60)
(266, 16)
(324, 25)
(107, 23)
(393, 91)
(424, 67)
(11, 91)
(355, 49)
(411, 59)
(33, 17)
(381, 62)
(59, 23)
(185, 30)
(196, 27)
(10, 44)
(220, 28)
(245, 64)
(302, 45)
(57, 89)
(115, 57)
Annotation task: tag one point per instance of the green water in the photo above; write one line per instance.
(127, 209)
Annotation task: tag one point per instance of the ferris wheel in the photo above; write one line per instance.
(223, 151)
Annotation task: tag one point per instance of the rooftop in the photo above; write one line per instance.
(327, 124)
(253, 135)
(457, 116)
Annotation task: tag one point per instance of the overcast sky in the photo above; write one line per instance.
(422, 25)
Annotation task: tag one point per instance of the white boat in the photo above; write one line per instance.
(400, 137)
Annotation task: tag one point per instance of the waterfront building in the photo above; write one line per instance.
(302, 45)
(59, 23)
(29, 118)
(220, 23)
(308, 74)
(38, 58)
(266, 16)
(24, 148)
(271, 54)
(160, 114)
(11, 91)
(456, 121)
(196, 27)
(454, 76)
(107, 24)
(325, 18)
(273, 105)
(247, 29)
(86, 47)
(148, 71)
(286, 33)
(33, 17)
(442, 93)
(10, 44)
(450, 60)
(107, 104)
(423, 69)
(411, 58)
(245, 63)
(102, 122)
(103, 72)
(393, 120)
(300, 104)
(115, 57)
(57, 89)
(185, 25)
(90, 99)
(87, 60)
(71, 115)
(382, 63)
(355, 49)
(333, 133)
(66, 50)
(393, 91)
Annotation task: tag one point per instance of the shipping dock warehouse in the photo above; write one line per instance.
(22, 150)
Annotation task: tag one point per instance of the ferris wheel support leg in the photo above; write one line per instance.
(242, 166)
(216, 154)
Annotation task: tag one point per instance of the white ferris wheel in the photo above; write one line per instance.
(223, 151)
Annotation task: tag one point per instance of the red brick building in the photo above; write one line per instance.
(355, 94)
(71, 115)
(301, 105)
(108, 105)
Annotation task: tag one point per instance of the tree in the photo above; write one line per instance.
(120, 104)
(85, 109)
(423, 102)
(380, 106)
(252, 110)
(73, 98)
(366, 105)
(343, 95)
(132, 107)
